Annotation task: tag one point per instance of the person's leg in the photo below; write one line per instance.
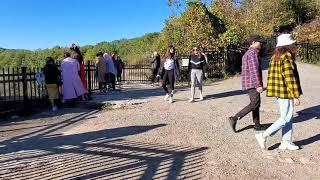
(164, 81)
(254, 104)
(199, 76)
(284, 107)
(287, 129)
(113, 81)
(193, 84)
(171, 82)
(152, 76)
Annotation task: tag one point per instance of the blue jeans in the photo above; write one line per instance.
(285, 120)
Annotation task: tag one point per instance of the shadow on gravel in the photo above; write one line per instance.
(300, 143)
(307, 114)
(225, 94)
(101, 154)
(251, 127)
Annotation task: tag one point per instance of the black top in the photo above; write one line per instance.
(155, 62)
(52, 74)
(197, 62)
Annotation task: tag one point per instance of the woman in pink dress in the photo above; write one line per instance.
(72, 85)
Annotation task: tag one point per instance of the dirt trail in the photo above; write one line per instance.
(149, 138)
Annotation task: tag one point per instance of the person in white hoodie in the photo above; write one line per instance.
(111, 71)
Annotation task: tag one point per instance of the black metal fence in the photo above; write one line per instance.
(309, 52)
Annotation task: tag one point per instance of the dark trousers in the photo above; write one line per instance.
(253, 107)
(119, 75)
(168, 77)
(154, 76)
(111, 79)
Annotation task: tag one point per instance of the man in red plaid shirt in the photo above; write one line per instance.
(251, 82)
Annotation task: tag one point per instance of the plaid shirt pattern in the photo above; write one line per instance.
(251, 70)
(283, 78)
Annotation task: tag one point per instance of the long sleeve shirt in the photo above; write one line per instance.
(251, 70)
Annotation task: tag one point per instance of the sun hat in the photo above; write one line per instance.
(284, 40)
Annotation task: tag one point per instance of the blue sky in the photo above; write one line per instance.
(33, 24)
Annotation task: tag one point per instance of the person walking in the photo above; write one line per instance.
(252, 83)
(155, 65)
(52, 80)
(72, 85)
(196, 68)
(101, 71)
(111, 71)
(169, 72)
(283, 84)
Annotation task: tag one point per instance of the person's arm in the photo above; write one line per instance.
(287, 69)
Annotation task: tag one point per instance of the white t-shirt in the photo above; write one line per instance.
(168, 64)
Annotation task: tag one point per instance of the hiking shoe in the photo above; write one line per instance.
(288, 146)
(191, 100)
(261, 140)
(166, 97)
(259, 127)
(233, 122)
(170, 99)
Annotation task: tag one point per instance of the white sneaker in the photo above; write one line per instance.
(201, 98)
(166, 97)
(170, 99)
(261, 140)
(191, 100)
(289, 146)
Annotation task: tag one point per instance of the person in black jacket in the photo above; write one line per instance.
(53, 81)
(155, 65)
(196, 68)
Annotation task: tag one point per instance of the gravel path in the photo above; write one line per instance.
(147, 138)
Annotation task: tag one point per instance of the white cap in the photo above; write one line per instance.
(284, 40)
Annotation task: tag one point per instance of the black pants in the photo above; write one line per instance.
(154, 76)
(168, 77)
(119, 75)
(111, 79)
(253, 107)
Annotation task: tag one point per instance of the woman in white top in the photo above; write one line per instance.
(169, 72)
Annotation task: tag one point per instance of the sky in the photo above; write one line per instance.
(40, 24)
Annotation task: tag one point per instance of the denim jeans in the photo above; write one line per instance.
(285, 120)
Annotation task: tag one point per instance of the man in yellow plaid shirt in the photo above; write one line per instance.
(284, 84)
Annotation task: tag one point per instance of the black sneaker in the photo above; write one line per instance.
(233, 122)
(259, 127)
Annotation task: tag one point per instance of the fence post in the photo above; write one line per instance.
(124, 74)
(24, 87)
(89, 78)
(307, 48)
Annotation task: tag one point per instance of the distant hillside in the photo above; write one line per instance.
(136, 50)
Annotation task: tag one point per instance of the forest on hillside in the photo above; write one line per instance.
(215, 24)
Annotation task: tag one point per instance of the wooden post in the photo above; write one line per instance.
(24, 87)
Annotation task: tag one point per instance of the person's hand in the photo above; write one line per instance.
(206, 75)
(296, 102)
(259, 89)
